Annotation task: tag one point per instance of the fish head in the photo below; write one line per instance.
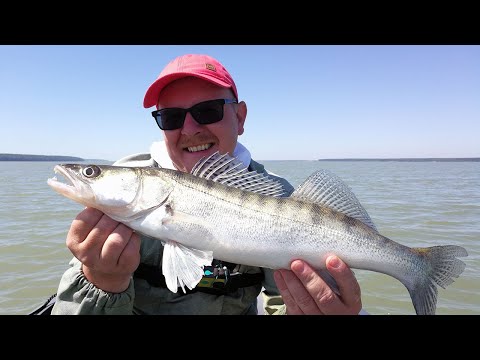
(114, 190)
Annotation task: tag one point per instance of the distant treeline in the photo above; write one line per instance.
(407, 159)
(26, 157)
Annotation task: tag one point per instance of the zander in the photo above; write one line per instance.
(223, 210)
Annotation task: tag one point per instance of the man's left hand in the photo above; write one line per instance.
(304, 292)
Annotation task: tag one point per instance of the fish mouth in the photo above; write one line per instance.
(59, 169)
(69, 187)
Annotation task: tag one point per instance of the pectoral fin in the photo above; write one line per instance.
(183, 266)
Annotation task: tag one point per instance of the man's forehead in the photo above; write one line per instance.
(191, 89)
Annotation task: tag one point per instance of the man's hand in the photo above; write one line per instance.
(305, 293)
(108, 250)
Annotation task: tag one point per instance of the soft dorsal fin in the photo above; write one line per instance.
(230, 171)
(327, 189)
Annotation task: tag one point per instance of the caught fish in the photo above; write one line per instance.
(223, 210)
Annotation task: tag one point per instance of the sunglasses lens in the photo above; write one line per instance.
(208, 112)
(170, 119)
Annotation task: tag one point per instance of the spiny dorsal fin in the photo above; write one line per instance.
(327, 189)
(230, 171)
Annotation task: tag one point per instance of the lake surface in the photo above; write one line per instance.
(413, 203)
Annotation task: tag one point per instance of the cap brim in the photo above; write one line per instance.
(151, 96)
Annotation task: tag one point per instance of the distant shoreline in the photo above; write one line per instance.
(27, 157)
(476, 159)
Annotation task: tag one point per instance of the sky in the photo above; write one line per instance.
(305, 102)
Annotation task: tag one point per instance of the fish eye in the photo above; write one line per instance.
(91, 171)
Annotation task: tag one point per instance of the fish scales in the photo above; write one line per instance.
(289, 229)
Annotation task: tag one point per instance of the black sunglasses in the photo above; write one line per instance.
(206, 112)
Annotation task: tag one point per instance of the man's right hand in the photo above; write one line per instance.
(108, 250)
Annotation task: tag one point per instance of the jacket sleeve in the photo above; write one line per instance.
(77, 296)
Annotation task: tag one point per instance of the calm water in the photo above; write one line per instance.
(413, 203)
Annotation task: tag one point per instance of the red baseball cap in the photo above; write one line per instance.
(201, 66)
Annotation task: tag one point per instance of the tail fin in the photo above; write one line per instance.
(442, 266)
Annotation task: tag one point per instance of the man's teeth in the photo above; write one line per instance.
(199, 147)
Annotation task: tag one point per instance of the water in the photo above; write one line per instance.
(413, 203)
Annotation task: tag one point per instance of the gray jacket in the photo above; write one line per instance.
(76, 295)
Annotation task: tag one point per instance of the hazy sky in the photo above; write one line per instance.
(304, 102)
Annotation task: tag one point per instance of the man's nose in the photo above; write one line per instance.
(190, 126)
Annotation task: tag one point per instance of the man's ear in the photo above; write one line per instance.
(241, 116)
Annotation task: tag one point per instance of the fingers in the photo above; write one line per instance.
(286, 283)
(305, 292)
(130, 257)
(121, 248)
(349, 288)
(102, 243)
(108, 250)
(113, 241)
(82, 225)
(88, 234)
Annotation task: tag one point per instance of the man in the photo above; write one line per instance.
(116, 271)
